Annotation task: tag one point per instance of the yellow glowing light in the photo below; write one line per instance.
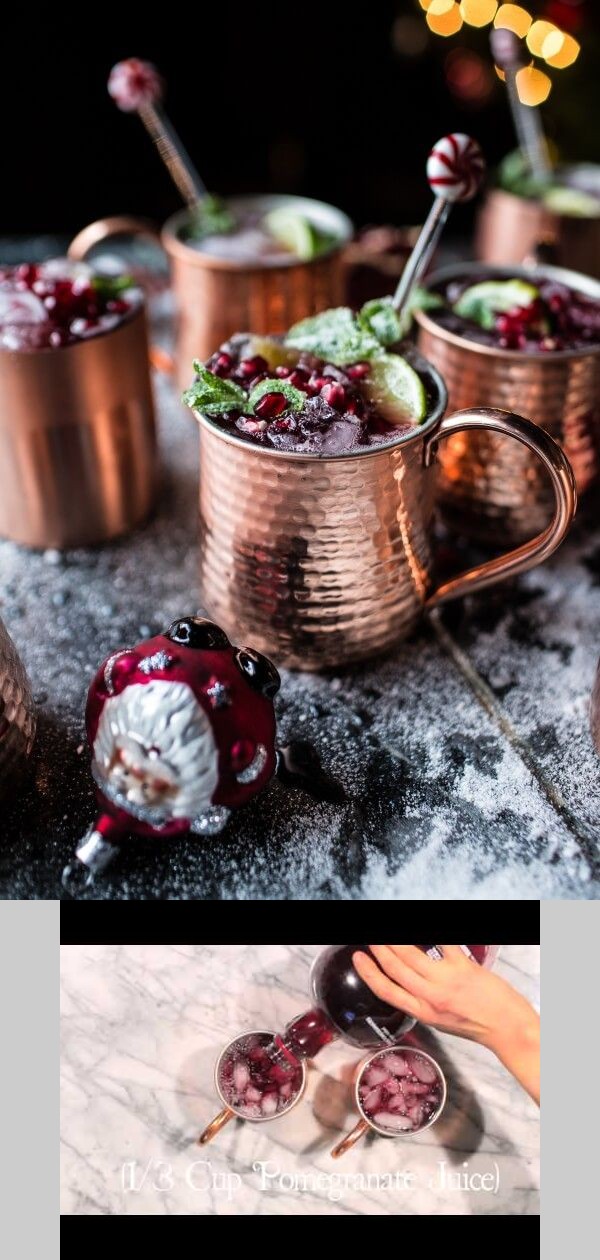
(564, 55)
(437, 8)
(511, 17)
(425, 4)
(537, 34)
(447, 23)
(478, 12)
(533, 85)
(500, 73)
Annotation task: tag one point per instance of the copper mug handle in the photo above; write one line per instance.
(350, 1139)
(563, 483)
(119, 225)
(216, 1125)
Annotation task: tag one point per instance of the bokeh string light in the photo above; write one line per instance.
(544, 39)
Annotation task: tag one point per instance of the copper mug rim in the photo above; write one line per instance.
(573, 279)
(439, 405)
(323, 214)
(257, 1032)
(398, 1050)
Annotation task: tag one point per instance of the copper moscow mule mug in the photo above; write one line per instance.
(77, 439)
(367, 1124)
(321, 561)
(17, 715)
(511, 229)
(489, 487)
(215, 297)
(231, 1112)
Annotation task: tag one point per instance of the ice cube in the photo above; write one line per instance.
(393, 1123)
(253, 1095)
(372, 1099)
(68, 269)
(269, 1105)
(416, 1115)
(395, 1064)
(286, 1091)
(341, 436)
(375, 1076)
(21, 308)
(392, 1085)
(398, 1103)
(241, 1075)
(423, 1070)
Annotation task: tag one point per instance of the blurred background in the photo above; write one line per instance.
(304, 99)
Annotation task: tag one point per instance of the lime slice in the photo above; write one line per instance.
(294, 232)
(276, 354)
(482, 302)
(572, 201)
(396, 389)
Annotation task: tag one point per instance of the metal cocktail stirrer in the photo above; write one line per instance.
(507, 51)
(455, 169)
(137, 87)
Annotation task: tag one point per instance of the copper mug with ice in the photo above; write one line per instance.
(252, 1085)
(399, 1093)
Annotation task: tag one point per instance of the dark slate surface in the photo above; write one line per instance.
(466, 756)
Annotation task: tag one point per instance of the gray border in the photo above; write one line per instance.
(29, 1002)
(570, 933)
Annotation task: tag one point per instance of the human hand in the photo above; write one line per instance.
(456, 995)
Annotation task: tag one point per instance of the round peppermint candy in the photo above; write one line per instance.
(455, 167)
(134, 84)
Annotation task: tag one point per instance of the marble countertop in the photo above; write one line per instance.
(142, 1026)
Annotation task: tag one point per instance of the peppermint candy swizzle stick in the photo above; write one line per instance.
(507, 51)
(137, 87)
(455, 169)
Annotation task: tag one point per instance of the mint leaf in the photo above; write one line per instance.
(110, 286)
(213, 395)
(211, 217)
(334, 335)
(420, 300)
(379, 318)
(273, 385)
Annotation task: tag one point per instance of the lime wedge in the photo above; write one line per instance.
(572, 201)
(396, 389)
(276, 354)
(293, 231)
(482, 302)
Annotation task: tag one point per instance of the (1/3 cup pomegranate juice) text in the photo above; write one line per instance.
(401, 1091)
(252, 1084)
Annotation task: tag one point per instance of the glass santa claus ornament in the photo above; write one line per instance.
(182, 731)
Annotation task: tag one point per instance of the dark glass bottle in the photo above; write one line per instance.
(345, 1007)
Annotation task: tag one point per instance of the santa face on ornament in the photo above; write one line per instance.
(182, 731)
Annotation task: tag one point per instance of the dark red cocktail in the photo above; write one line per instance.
(59, 302)
(401, 1091)
(252, 1084)
(532, 315)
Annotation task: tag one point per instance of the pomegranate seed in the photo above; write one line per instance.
(58, 337)
(358, 370)
(118, 305)
(316, 383)
(252, 427)
(335, 395)
(271, 405)
(355, 407)
(223, 364)
(282, 371)
(251, 367)
(299, 378)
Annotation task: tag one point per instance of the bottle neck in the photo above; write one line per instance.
(302, 1039)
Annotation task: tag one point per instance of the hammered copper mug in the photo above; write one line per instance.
(78, 458)
(215, 297)
(511, 229)
(490, 488)
(324, 560)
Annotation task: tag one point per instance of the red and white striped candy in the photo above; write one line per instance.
(134, 84)
(455, 167)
